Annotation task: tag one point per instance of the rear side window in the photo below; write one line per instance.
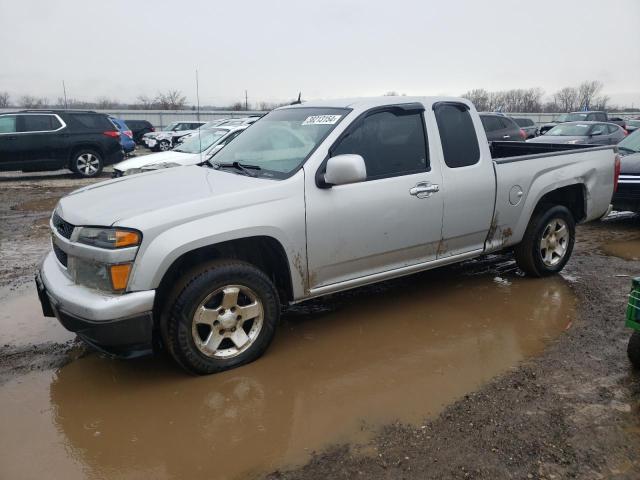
(392, 143)
(457, 135)
(524, 122)
(7, 124)
(506, 123)
(491, 124)
(612, 128)
(91, 121)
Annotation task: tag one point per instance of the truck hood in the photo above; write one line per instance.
(180, 158)
(117, 200)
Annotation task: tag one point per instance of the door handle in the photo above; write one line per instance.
(424, 189)
(506, 136)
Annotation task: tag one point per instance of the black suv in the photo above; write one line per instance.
(41, 140)
(139, 128)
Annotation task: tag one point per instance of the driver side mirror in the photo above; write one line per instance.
(344, 169)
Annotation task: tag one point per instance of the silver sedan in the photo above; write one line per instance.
(598, 133)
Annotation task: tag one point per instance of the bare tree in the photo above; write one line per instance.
(4, 99)
(29, 101)
(237, 106)
(587, 93)
(105, 103)
(567, 99)
(479, 97)
(171, 100)
(144, 103)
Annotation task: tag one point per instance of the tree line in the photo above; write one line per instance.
(587, 95)
(168, 100)
(522, 100)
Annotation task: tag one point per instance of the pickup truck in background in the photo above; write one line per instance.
(312, 199)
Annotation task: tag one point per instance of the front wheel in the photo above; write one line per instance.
(87, 163)
(547, 243)
(224, 316)
(164, 145)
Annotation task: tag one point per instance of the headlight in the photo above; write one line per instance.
(109, 278)
(108, 237)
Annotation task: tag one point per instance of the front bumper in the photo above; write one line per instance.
(119, 325)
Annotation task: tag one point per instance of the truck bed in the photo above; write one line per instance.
(519, 149)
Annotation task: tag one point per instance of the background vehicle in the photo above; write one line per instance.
(165, 139)
(621, 122)
(197, 149)
(313, 199)
(500, 127)
(595, 116)
(528, 126)
(595, 133)
(627, 196)
(126, 135)
(632, 125)
(139, 128)
(41, 140)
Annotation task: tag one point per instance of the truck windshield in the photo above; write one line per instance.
(201, 140)
(281, 141)
(576, 130)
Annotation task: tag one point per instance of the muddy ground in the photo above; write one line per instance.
(549, 395)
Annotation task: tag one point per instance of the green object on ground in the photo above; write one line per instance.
(633, 308)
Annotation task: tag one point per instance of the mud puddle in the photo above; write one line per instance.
(336, 370)
(626, 249)
(22, 323)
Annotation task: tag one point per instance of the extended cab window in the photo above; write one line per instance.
(7, 124)
(390, 142)
(457, 135)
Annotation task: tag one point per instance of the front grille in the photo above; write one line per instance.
(627, 191)
(64, 228)
(60, 255)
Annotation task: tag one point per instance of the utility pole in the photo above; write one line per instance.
(246, 101)
(64, 90)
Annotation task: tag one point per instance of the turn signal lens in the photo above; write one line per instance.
(120, 276)
(125, 238)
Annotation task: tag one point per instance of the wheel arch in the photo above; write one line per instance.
(85, 145)
(263, 251)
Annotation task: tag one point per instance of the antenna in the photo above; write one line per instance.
(198, 114)
(64, 90)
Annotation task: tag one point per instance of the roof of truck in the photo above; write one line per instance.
(370, 102)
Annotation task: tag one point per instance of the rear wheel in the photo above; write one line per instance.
(224, 315)
(87, 163)
(548, 242)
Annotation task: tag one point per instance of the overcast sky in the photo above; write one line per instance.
(326, 48)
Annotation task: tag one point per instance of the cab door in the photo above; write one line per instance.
(391, 220)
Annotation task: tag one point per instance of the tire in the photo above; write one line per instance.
(546, 228)
(86, 163)
(204, 330)
(164, 145)
(633, 349)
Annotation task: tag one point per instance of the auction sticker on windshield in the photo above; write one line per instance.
(321, 120)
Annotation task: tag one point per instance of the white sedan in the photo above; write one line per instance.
(198, 148)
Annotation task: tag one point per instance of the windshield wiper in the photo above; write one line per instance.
(243, 167)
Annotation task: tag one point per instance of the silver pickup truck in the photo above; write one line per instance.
(311, 200)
